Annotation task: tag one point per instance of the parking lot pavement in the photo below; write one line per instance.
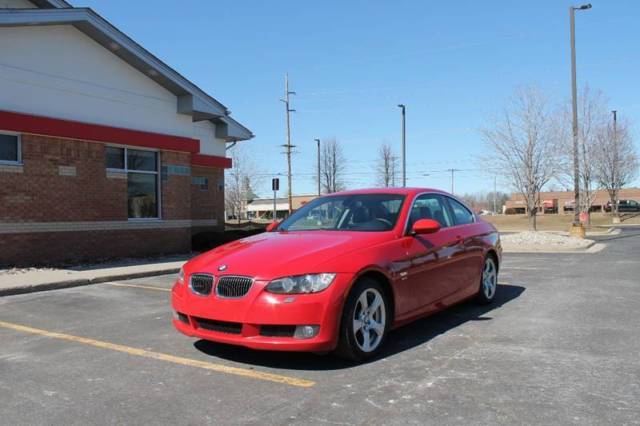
(559, 346)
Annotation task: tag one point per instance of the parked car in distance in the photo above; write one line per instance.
(340, 273)
(624, 206)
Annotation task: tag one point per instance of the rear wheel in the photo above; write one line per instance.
(489, 280)
(365, 321)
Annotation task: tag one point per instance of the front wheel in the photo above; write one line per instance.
(489, 281)
(365, 321)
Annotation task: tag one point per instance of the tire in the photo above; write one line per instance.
(363, 329)
(488, 280)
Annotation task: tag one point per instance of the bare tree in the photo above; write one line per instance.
(617, 161)
(484, 200)
(521, 147)
(239, 181)
(386, 167)
(333, 166)
(592, 110)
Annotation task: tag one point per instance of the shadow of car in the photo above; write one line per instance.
(402, 339)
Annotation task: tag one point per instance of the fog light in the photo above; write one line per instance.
(306, 331)
(180, 317)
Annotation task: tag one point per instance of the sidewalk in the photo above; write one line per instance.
(28, 280)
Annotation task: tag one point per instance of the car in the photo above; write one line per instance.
(624, 206)
(340, 273)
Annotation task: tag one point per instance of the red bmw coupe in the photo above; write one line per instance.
(340, 273)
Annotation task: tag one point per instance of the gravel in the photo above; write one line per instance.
(543, 241)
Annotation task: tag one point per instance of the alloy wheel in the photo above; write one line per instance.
(489, 278)
(369, 320)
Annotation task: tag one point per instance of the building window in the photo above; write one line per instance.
(10, 150)
(141, 167)
(200, 182)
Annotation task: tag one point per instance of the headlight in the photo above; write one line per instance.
(311, 283)
(181, 276)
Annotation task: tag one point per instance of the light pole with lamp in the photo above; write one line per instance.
(577, 229)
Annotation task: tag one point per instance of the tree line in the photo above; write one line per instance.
(530, 145)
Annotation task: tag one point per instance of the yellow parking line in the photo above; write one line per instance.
(146, 287)
(292, 381)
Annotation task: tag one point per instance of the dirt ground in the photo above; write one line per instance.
(554, 222)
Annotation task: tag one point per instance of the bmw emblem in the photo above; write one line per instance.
(222, 268)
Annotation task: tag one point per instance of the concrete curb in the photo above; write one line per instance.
(57, 285)
(545, 249)
(593, 247)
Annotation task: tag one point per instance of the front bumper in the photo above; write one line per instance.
(262, 320)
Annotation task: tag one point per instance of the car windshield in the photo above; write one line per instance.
(355, 212)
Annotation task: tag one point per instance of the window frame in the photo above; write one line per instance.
(445, 197)
(127, 170)
(18, 161)
(453, 215)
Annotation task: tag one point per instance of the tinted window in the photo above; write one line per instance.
(142, 195)
(9, 148)
(114, 157)
(429, 206)
(461, 214)
(141, 160)
(357, 212)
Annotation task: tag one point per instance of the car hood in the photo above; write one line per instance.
(275, 254)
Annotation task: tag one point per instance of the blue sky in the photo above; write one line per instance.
(453, 64)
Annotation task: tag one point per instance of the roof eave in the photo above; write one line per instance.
(191, 99)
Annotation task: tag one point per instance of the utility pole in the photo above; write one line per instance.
(404, 145)
(452, 177)
(576, 229)
(495, 194)
(318, 142)
(615, 171)
(288, 145)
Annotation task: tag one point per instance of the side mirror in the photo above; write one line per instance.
(426, 226)
(272, 226)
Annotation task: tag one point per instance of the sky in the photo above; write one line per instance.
(453, 64)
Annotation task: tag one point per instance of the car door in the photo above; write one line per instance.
(431, 260)
(467, 274)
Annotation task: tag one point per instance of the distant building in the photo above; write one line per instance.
(561, 202)
(262, 208)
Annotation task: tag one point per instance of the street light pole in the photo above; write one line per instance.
(615, 171)
(318, 142)
(404, 145)
(576, 228)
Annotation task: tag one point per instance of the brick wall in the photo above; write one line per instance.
(58, 247)
(41, 194)
(209, 203)
(175, 186)
(64, 180)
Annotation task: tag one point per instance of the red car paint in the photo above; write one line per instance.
(426, 273)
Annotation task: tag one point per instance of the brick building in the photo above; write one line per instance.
(563, 201)
(105, 151)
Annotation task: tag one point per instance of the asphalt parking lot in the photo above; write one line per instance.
(559, 346)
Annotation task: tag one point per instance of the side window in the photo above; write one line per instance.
(429, 206)
(461, 214)
(9, 148)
